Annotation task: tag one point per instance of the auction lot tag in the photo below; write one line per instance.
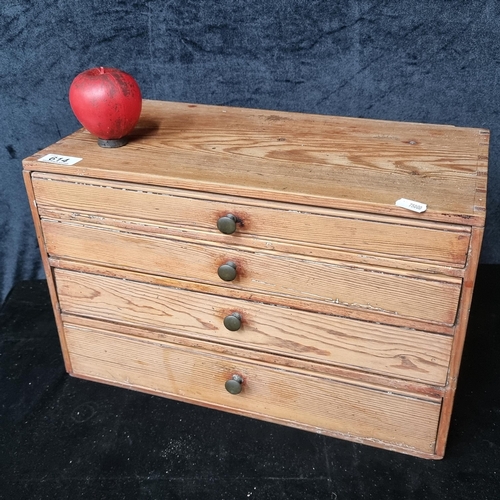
(415, 206)
(60, 159)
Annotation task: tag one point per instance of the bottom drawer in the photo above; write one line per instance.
(299, 399)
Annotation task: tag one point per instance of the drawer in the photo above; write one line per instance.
(269, 225)
(387, 350)
(385, 292)
(272, 393)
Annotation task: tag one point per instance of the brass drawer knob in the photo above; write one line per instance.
(233, 385)
(227, 224)
(227, 271)
(233, 321)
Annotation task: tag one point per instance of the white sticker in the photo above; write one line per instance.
(415, 206)
(60, 160)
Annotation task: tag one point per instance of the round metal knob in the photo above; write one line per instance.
(227, 224)
(233, 385)
(227, 271)
(233, 321)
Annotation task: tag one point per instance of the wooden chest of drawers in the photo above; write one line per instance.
(256, 262)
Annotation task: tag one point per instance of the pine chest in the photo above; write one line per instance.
(257, 262)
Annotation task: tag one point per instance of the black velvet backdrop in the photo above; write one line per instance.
(426, 61)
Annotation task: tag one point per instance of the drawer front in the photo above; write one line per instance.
(399, 352)
(270, 224)
(271, 393)
(309, 280)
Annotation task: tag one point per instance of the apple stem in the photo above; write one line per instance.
(101, 70)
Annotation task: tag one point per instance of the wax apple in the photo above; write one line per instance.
(107, 102)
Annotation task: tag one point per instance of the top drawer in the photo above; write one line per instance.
(306, 229)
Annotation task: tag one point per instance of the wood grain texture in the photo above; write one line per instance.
(458, 341)
(354, 311)
(397, 352)
(47, 268)
(358, 288)
(346, 163)
(300, 225)
(285, 301)
(362, 378)
(252, 244)
(199, 377)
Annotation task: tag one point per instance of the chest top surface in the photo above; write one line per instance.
(332, 162)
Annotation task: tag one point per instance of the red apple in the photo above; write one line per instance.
(107, 102)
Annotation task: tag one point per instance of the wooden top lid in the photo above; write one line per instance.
(345, 163)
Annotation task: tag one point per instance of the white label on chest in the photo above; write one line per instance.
(415, 206)
(59, 159)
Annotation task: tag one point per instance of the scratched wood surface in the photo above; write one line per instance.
(390, 237)
(419, 297)
(347, 163)
(283, 395)
(459, 339)
(354, 311)
(397, 352)
(314, 306)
